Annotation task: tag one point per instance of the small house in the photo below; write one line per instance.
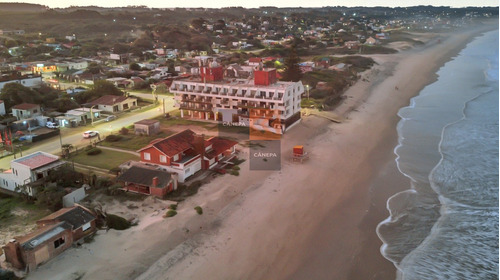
(54, 234)
(28, 169)
(147, 127)
(147, 180)
(371, 41)
(25, 111)
(114, 103)
(352, 44)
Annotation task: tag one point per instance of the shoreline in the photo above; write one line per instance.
(274, 219)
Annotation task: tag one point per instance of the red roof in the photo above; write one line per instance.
(36, 160)
(174, 144)
(108, 100)
(255, 59)
(25, 106)
(219, 145)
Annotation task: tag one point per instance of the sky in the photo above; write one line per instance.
(257, 3)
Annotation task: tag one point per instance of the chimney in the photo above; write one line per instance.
(155, 181)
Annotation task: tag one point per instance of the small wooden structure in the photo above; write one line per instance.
(299, 154)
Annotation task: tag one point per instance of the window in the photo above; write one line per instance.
(147, 156)
(176, 157)
(86, 226)
(163, 158)
(59, 242)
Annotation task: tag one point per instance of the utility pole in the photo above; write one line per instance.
(60, 142)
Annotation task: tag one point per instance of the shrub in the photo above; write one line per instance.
(94, 151)
(172, 207)
(199, 210)
(113, 138)
(124, 131)
(236, 167)
(115, 170)
(235, 173)
(89, 147)
(170, 213)
(113, 189)
(102, 183)
(117, 222)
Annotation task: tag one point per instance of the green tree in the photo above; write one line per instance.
(292, 71)
(94, 68)
(197, 23)
(134, 66)
(67, 148)
(99, 89)
(14, 93)
(120, 48)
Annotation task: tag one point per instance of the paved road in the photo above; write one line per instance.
(74, 135)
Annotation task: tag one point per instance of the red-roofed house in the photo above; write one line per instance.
(114, 103)
(185, 153)
(28, 169)
(25, 111)
(254, 61)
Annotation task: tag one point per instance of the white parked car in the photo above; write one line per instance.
(90, 133)
(52, 125)
(110, 118)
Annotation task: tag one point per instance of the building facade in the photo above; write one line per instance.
(54, 234)
(27, 170)
(261, 103)
(31, 81)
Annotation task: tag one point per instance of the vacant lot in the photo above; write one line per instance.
(105, 160)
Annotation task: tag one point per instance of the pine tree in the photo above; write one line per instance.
(292, 70)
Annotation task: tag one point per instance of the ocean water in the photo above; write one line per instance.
(445, 226)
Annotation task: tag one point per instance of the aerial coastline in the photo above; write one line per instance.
(248, 143)
(286, 224)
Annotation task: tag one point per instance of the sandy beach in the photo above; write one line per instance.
(314, 220)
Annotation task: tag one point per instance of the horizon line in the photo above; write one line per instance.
(259, 7)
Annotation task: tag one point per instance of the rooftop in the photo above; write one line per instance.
(142, 175)
(108, 100)
(147, 122)
(235, 83)
(25, 106)
(40, 235)
(174, 144)
(36, 159)
(75, 216)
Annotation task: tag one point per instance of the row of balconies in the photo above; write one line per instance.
(230, 92)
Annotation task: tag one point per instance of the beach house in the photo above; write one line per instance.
(53, 234)
(185, 153)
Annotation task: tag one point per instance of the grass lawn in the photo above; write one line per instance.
(134, 142)
(105, 160)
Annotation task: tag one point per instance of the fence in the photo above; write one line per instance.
(44, 136)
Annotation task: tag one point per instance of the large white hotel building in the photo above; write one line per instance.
(261, 103)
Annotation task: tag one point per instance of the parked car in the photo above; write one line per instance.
(110, 118)
(52, 125)
(90, 133)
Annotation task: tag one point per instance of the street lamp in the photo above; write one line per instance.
(307, 87)
(92, 115)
